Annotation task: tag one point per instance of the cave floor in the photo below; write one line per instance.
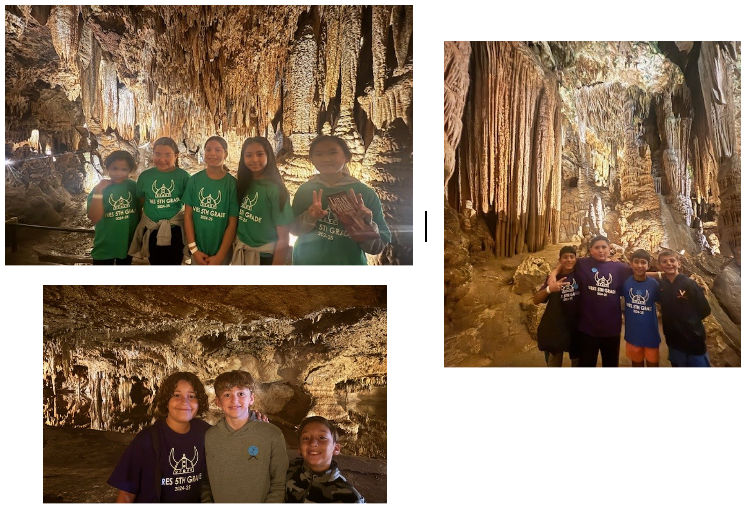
(486, 328)
(78, 462)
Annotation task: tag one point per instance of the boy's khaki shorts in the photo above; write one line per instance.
(638, 353)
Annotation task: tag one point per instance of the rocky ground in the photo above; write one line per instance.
(78, 462)
(490, 325)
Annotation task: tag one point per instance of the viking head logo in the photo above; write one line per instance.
(330, 218)
(569, 288)
(638, 298)
(162, 191)
(209, 201)
(602, 282)
(121, 202)
(183, 465)
(249, 203)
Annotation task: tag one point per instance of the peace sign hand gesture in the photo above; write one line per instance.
(315, 211)
(362, 211)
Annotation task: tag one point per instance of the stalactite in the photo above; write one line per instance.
(401, 21)
(456, 85)
(380, 25)
(107, 98)
(63, 23)
(126, 113)
(298, 118)
(511, 144)
(395, 102)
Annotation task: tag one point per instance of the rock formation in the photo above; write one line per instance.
(92, 79)
(561, 141)
(312, 350)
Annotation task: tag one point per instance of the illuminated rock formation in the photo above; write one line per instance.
(562, 141)
(311, 350)
(100, 78)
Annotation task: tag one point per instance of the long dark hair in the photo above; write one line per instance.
(271, 172)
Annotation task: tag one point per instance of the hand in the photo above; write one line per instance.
(315, 210)
(260, 417)
(363, 212)
(557, 285)
(200, 257)
(103, 184)
(214, 260)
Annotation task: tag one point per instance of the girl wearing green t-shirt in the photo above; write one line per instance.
(160, 190)
(113, 209)
(265, 214)
(322, 238)
(211, 208)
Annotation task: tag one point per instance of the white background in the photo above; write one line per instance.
(492, 436)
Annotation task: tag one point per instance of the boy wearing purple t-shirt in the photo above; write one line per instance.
(641, 324)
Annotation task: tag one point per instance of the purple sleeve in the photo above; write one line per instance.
(127, 474)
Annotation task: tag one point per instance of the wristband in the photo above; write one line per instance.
(193, 249)
(548, 290)
(193, 244)
(98, 196)
(659, 275)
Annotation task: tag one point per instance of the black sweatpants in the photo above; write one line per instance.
(591, 347)
(113, 261)
(167, 254)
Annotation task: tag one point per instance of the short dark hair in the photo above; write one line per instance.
(597, 239)
(323, 421)
(120, 155)
(160, 406)
(641, 254)
(566, 250)
(228, 380)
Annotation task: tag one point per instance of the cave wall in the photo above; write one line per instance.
(95, 79)
(311, 350)
(647, 137)
(508, 163)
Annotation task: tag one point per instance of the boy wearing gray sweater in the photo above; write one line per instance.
(246, 459)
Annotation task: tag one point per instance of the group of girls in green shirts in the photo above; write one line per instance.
(215, 219)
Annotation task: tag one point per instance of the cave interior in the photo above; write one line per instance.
(552, 143)
(310, 351)
(83, 81)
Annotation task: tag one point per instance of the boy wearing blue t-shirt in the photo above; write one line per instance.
(641, 324)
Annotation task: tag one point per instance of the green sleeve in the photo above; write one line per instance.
(302, 200)
(373, 203)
